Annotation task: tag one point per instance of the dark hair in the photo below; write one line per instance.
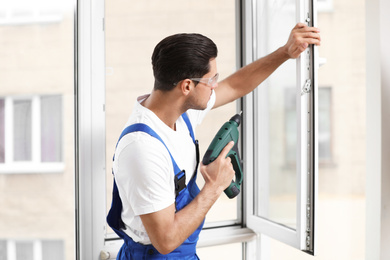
(181, 56)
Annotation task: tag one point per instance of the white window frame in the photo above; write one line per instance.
(89, 128)
(90, 168)
(307, 159)
(35, 165)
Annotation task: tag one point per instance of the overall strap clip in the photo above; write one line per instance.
(180, 182)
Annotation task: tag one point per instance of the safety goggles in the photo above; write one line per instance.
(211, 82)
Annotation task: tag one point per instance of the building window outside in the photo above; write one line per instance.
(32, 250)
(31, 134)
(37, 82)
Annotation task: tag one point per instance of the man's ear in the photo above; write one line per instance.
(186, 86)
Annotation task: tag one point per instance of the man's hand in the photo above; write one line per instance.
(249, 77)
(219, 173)
(300, 38)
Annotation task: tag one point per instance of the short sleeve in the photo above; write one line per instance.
(144, 174)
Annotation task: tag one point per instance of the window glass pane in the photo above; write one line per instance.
(341, 219)
(2, 129)
(133, 28)
(52, 249)
(22, 130)
(24, 250)
(276, 120)
(51, 128)
(290, 125)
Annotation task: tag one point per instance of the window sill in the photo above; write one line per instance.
(208, 237)
(31, 168)
(225, 235)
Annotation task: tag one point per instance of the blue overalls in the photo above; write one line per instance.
(184, 195)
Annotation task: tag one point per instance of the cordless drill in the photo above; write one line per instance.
(227, 133)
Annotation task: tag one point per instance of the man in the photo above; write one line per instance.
(161, 217)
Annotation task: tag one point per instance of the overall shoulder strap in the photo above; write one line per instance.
(145, 128)
(180, 177)
(189, 126)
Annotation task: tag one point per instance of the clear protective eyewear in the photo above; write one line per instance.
(212, 82)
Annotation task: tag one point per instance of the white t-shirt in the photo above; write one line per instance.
(143, 168)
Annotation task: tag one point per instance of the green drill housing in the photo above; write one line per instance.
(228, 132)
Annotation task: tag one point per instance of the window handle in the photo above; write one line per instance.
(104, 255)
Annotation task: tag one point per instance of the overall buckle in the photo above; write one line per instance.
(180, 182)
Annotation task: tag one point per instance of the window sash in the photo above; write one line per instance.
(306, 160)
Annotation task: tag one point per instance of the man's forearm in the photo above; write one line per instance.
(191, 216)
(249, 77)
(167, 230)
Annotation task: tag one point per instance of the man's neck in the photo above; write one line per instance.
(165, 105)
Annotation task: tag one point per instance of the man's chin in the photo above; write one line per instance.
(200, 107)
